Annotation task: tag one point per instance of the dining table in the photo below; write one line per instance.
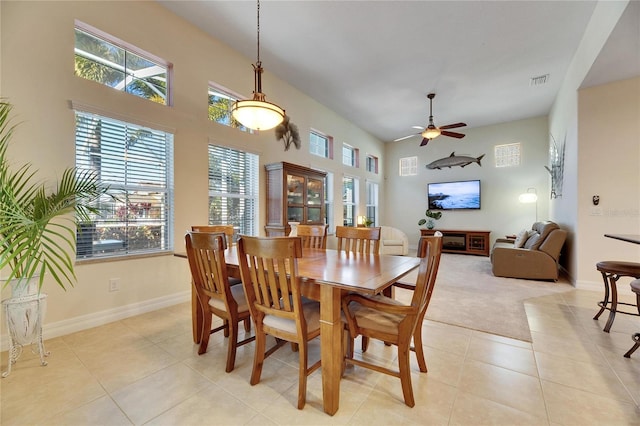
(331, 274)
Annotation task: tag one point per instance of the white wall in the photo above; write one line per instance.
(37, 77)
(501, 212)
(608, 155)
(563, 125)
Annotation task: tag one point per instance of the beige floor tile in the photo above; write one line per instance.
(381, 409)
(502, 339)
(501, 355)
(507, 387)
(446, 338)
(441, 365)
(124, 365)
(470, 409)
(153, 395)
(33, 394)
(574, 348)
(595, 378)
(211, 405)
(102, 411)
(570, 406)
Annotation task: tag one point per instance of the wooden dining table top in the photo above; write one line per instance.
(364, 273)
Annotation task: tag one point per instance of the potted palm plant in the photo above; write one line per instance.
(37, 235)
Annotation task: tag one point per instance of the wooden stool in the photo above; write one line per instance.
(611, 273)
(635, 287)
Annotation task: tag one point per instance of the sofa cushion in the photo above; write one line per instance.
(541, 231)
(521, 238)
(392, 242)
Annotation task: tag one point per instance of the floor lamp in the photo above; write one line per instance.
(531, 196)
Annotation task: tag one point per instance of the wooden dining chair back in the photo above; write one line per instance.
(383, 318)
(269, 270)
(358, 240)
(205, 252)
(226, 229)
(313, 236)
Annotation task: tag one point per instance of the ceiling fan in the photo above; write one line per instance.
(431, 131)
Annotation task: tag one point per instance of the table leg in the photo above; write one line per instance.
(331, 347)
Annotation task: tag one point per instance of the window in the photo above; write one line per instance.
(372, 164)
(233, 189)
(320, 145)
(107, 60)
(507, 155)
(220, 104)
(409, 166)
(372, 202)
(349, 156)
(137, 163)
(349, 197)
(328, 201)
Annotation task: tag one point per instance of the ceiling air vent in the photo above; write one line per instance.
(539, 80)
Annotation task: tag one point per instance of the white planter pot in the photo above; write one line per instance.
(24, 313)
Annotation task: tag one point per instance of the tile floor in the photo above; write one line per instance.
(145, 370)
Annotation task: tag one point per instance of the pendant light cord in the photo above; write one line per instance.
(258, 63)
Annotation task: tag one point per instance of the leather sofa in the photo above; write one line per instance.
(393, 241)
(538, 257)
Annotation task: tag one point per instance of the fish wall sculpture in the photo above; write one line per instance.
(454, 160)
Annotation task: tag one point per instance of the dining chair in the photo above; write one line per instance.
(275, 301)
(386, 319)
(226, 229)
(313, 236)
(358, 240)
(205, 252)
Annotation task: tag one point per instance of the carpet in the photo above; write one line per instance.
(467, 294)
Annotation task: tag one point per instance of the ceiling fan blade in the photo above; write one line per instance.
(424, 141)
(452, 134)
(452, 126)
(405, 137)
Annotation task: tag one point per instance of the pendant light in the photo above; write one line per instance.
(256, 113)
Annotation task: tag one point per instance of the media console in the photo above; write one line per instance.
(461, 241)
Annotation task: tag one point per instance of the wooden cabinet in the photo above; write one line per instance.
(464, 242)
(294, 194)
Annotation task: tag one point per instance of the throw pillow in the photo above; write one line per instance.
(521, 238)
(532, 241)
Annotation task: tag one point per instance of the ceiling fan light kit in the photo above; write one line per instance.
(257, 113)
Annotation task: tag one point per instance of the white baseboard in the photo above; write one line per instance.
(72, 325)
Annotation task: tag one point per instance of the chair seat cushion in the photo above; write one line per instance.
(237, 291)
(374, 319)
(311, 312)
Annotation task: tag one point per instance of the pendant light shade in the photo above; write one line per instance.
(257, 113)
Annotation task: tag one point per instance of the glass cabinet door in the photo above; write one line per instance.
(314, 215)
(295, 187)
(314, 192)
(295, 214)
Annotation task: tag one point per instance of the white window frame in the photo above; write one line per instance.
(328, 202)
(372, 202)
(408, 166)
(350, 155)
(320, 144)
(372, 163)
(244, 190)
(349, 201)
(152, 77)
(136, 162)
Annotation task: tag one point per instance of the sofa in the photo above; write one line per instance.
(393, 241)
(533, 254)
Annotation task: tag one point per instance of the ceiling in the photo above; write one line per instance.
(374, 62)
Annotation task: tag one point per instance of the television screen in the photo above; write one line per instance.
(454, 195)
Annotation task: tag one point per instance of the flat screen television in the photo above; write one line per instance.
(454, 195)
